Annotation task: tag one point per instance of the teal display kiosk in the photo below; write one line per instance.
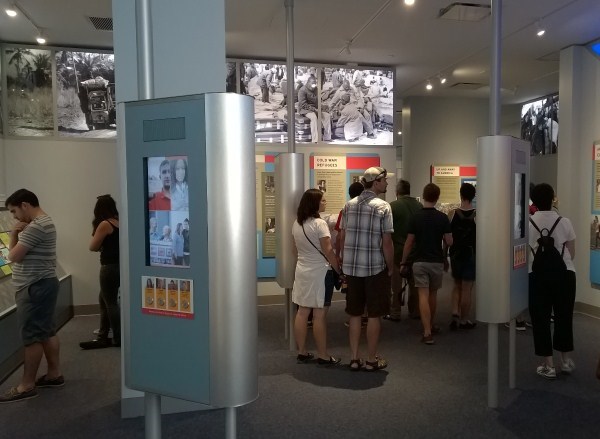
(189, 250)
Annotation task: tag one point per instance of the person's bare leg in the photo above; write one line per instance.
(300, 329)
(456, 297)
(432, 305)
(320, 331)
(52, 353)
(424, 310)
(465, 300)
(354, 336)
(373, 331)
(33, 357)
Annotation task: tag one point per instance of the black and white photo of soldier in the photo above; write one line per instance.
(230, 80)
(263, 82)
(539, 125)
(360, 105)
(29, 92)
(86, 105)
(270, 184)
(270, 225)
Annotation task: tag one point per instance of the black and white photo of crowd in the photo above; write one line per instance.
(86, 105)
(29, 92)
(539, 125)
(333, 105)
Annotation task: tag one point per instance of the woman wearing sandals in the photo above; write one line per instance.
(314, 281)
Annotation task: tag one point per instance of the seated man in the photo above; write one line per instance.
(307, 106)
(353, 121)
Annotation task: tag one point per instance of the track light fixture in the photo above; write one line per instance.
(429, 87)
(540, 31)
(11, 11)
(442, 78)
(409, 2)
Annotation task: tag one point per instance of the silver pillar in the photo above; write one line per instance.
(152, 415)
(289, 184)
(492, 365)
(496, 67)
(232, 249)
(230, 423)
(143, 18)
(289, 9)
(512, 356)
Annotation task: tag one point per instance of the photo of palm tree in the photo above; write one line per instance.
(86, 105)
(29, 92)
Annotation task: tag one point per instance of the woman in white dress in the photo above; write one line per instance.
(314, 281)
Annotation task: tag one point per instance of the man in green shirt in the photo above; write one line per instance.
(402, 209)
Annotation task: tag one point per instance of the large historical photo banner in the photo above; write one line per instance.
(29, 92)
(85, 103)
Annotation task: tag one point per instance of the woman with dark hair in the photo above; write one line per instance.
(179, 185)
(551, 288)
(314, 281)
(105, 239)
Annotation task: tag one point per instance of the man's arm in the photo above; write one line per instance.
(388, 252)
(17, 251)
(342, 236)
(571, 247)
(408, 245)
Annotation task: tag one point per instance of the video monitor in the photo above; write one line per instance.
(539, 125)
(168, 219)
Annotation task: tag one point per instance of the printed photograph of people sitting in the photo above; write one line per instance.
(168, 211)
(539, 125)
(359, 105)
(267, 83)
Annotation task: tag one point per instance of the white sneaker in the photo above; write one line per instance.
(547, 372)
(568, 366)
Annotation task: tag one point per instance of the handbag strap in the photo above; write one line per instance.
(311, 243)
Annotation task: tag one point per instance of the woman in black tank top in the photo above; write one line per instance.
(105, 239)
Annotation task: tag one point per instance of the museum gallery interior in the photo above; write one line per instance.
(102, 97)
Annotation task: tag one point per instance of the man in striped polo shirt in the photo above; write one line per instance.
(32, 250)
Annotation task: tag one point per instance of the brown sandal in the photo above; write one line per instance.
(372, 366)
(356, 365)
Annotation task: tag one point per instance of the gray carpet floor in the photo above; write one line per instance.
(435, 391)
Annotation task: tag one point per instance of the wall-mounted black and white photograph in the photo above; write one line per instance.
(263, 82)
(539, 125)
(29, 92)
(230, 79)
(359, 105)
(86, 105)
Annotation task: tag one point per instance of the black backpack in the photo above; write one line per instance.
(547, 260)
(463, 234)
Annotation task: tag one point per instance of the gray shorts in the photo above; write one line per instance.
(35, 310)
(428, 274)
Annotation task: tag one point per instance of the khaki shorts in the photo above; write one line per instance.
(428, 274)
(372, 291)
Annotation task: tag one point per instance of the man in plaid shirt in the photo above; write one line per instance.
(367, 254)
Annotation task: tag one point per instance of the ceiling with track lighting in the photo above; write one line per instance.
(424, 42)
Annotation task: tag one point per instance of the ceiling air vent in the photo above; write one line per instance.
(102, 23)
(465, 12)
(466, 86)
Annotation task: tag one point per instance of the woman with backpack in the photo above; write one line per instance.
(552, 282)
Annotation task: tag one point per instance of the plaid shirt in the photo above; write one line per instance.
(365, 219)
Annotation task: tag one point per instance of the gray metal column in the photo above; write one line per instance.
(143, 18)
(496, 68)
(289, 9)
(289, 183)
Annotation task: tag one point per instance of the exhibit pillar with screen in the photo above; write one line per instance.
(502, 227)
(189, 248)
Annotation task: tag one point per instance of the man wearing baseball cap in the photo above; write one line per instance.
(367, 255)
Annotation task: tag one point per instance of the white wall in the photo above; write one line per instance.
(440, 131)
(67, 177)
(580, 112)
